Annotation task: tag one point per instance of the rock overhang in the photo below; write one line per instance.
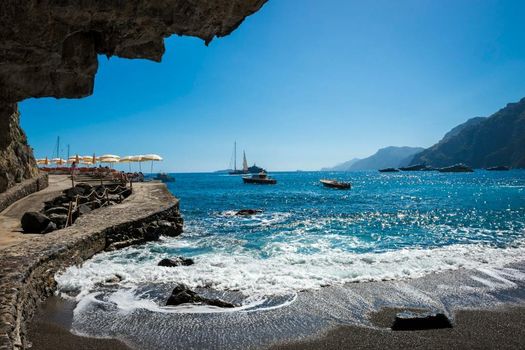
(49, 48)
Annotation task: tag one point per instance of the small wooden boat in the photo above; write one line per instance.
(336, 184)
(261, 179)
(389, 170)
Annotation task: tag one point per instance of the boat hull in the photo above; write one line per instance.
(335, 184)
(249, 180)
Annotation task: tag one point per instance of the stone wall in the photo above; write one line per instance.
(28, 268)
(23, 189)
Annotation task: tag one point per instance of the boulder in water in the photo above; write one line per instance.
(167, 228)
(247, 212)
(177, 261)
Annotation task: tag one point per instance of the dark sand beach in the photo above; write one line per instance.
(502, 328)
(50, 329)
(323, 319)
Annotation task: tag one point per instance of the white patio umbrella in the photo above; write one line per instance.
(75, 158)
(139, 159)
(42, 161)
(126, 159)
(152, 158)
(59, 161)
(109, 160)
(108, 156)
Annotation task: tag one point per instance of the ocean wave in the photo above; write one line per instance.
(285, 272)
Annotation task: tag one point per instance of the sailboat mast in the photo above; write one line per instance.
(235, 156)
(58, 146)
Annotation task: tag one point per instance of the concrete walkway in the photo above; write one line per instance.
(10, 228)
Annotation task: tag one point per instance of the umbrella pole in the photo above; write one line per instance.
(151, 167)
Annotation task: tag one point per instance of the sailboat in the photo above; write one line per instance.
(254, 169)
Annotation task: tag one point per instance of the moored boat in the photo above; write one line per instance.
(262, 179)
(336, 184)
(254, 169)
(389, 170)
(457, 168)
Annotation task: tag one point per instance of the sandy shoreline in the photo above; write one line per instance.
(502, 328)
(50, 329)
(322, 319)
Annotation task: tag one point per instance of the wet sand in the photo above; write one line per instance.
(49, 330)
(502, 328)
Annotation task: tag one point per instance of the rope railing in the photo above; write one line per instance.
(74, 205)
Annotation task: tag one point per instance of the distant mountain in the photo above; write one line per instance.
(388, 157)
(343, 166)
(455, 131)
(482, 142)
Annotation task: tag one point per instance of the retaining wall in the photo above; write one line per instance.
(28, 269)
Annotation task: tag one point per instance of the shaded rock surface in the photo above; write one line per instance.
(181, 294)
(50, 48)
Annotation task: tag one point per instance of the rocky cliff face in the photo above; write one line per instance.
(16, 157)
(50, 47)
(482, 142)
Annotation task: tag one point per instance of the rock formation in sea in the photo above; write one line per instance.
(49, 49)
(482, 142)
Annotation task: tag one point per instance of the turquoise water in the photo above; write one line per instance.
(276, 265)
(387, 227)
(382, 212)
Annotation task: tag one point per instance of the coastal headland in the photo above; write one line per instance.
(29, 264)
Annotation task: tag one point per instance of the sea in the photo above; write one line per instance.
(313, 256)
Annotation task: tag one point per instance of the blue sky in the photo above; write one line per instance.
(299, 85)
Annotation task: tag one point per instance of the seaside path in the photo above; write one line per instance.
(10, 227)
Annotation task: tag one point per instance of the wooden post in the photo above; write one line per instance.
(69, 214)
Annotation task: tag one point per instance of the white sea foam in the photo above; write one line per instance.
(285, 272)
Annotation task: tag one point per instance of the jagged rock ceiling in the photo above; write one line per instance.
(50, 47)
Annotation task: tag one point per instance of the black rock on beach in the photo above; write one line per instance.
(182, 294)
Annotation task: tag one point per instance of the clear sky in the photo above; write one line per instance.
(300, 85)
